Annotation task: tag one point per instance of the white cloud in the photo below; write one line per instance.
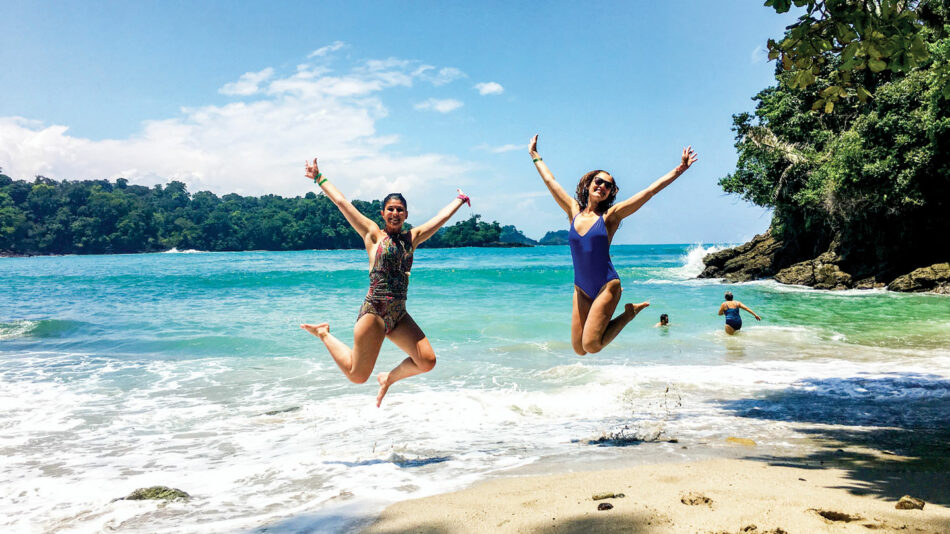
(446, 75)
(500, 149)
(441, 105)
(438, 77)
(247, 84)
(489, 88)
(323, 51)
(253, 147)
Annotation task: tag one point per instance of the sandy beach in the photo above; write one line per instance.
(711, 496)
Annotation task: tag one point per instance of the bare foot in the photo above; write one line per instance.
(383, 387)
(320, 330)
(634, 309)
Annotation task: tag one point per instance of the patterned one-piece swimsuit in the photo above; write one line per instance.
(389, 280)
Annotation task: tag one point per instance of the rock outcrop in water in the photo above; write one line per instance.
(161, 493)
(765, 256)
(751, 261)
(935, 278)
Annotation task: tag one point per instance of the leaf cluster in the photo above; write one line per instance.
(874, 36)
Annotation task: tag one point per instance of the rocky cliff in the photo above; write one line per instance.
(768, 257)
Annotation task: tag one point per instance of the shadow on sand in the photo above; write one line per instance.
(603, 523)
(890, 433)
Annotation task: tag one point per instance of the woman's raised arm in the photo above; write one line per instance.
(567, 203)
(361, 223)
(427, 229)
(628, 207)
(746, 308)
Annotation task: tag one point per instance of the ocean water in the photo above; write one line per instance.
(190, 370)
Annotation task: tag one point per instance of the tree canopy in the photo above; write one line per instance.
(861, 38)
(869, 179)
(98, 216)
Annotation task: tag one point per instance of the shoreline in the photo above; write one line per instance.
(721, 495)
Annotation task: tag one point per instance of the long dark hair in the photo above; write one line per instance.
(582, 192)
(396, 196)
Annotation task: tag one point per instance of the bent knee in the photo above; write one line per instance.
(579, 349)
(359, 378)
(426, 363)
(593, 348)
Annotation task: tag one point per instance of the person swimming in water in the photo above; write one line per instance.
(383, 313)
(664, 321)
(730, 308)
(594, 221)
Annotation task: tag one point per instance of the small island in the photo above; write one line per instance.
(47, 217)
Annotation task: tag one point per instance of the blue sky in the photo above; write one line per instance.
(418, 97)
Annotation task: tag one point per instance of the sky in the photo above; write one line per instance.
(416, 97)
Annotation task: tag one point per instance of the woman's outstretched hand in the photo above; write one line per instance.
(533, 147)
(312, 170)
(689, 157)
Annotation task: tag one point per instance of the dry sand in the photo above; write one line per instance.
(744, 496)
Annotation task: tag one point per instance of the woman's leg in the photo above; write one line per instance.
(409, 337)
(578, 317)
(356, 364)
(730, 330)
(600, 329)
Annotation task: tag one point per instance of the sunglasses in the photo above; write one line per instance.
(601, 181)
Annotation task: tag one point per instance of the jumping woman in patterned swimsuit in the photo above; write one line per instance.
(383, 313)
(594, 220)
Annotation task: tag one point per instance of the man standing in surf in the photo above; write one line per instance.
(383, 313)
(594, 221)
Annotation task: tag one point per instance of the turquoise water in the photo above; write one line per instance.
(190, 370)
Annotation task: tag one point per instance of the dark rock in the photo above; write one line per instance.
(909, 503)
(802, 274)
(832, 515)
(694, 499)
(870, 282)
(934, 278)
(285, 410)
(157, 493)
(604, 506)
(822, 272)
(751, 261)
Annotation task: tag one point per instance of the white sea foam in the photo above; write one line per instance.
(16, 329)
(174, 250)
(73, 447)
(693, 261)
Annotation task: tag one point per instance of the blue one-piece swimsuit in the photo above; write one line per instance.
(733, 319)
(591, 255)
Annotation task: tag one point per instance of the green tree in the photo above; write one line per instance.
(865, 40)
(870, 180)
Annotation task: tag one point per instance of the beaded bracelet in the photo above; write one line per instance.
(535, 160)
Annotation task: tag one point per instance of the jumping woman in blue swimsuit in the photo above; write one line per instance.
(594, 220)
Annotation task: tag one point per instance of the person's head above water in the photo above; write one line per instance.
(598, 189)
(664, 319)
(394, 212)
(728, 295)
